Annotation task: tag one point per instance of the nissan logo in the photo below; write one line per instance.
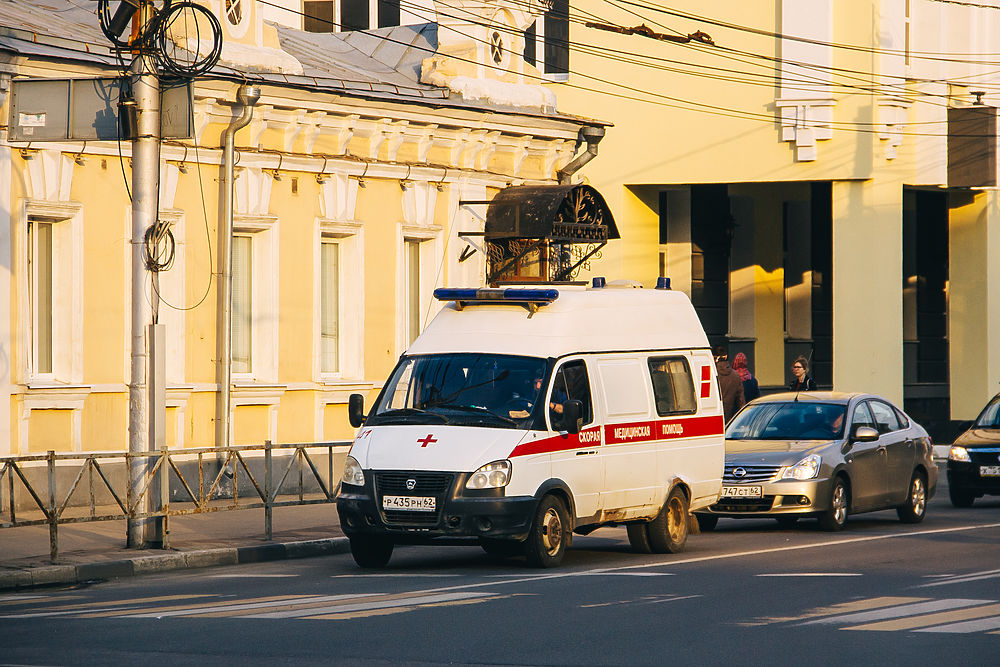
(739, 472)
(411, 484)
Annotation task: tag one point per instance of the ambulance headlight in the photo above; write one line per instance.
(491, 476)
(353, 474)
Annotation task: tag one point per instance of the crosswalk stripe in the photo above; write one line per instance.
(375, 604)
(898, 611)
(909, 623)
(966, 626)
(963, 578)
(840, 608)
(154, 611)
(236, 606)
(385, 611)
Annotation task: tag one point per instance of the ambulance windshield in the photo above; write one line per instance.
(462, 389)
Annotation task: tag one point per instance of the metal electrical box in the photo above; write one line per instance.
(88, 110)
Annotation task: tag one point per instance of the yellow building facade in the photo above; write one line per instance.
(349, 191)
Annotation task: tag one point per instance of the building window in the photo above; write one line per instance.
(318, 16)
(556, 27)
(354, 15)
(329, 306)
(388, 13)
(242, 305)
(40, 304)
(411, 269)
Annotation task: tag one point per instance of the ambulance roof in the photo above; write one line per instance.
(579, 320)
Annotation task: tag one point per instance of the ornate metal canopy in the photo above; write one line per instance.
(545, 232)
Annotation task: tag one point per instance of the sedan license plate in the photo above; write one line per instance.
(989, 471)
(414, 503)
(742, 492)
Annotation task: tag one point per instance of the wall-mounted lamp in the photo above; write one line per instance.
(361, 178)
(321, 176)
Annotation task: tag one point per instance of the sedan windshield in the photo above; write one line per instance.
(797, 420)
(463, 389)
(990, 417)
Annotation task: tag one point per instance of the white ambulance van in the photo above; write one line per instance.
(524, 414)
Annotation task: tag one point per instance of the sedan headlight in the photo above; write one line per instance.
(957, 453)
(490, 476)
(353, 474)
(807, 468)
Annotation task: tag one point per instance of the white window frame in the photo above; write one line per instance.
(429, 241)
(349, 236)
(173, 300)
(67, 293)
(265, 279)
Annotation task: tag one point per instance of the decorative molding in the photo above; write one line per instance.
(892, 115)
(804, 122)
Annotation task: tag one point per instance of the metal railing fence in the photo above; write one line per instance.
(234, 487)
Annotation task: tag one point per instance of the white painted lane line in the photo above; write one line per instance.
(222, 608)
(897, 612)
(66, 613)
(11, 598)
(369, 606)
(966, 626)
(810, 574)
(626, 574)
(251, 576)
(962, 578)
(391, 576)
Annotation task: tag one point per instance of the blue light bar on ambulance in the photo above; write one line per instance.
(532, 299)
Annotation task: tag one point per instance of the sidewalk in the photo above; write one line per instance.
(96, 550)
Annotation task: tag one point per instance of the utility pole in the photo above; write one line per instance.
(145, 85)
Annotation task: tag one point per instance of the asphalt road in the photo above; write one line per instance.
(749, 593)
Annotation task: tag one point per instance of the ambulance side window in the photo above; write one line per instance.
(673, 387)
(570, 383)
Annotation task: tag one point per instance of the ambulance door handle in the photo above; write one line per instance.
(592, 451)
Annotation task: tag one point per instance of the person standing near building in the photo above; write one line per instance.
(730, 385)
(751, 388)
(802, 381)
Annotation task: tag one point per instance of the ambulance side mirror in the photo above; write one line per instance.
(572, 415)
(356, 410)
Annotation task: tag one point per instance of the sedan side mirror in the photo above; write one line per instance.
(572, 415)
(356, 410)
(865, 434)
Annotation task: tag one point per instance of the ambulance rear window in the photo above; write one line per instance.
(673, 387)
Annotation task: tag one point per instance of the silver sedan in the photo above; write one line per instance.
(824, 455)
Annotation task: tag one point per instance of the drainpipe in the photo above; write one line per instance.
(246, 96)
(592, 135)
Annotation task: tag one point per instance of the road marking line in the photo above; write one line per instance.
(896, 612)
(153, 611)
(374, 604)
(839, 608)
(930, 619)
(87, 606)
(262, 603)
(809, 574)
(399, 610)
(15, 599)
(251, 576)
(627, 574)
(390, 576)
(966, 626)
(963, 578)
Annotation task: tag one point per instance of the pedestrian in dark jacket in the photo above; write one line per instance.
(802, 381)
(730, 385)
(751, 389)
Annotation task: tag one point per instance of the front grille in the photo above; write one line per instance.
(985, 457)
(435, 484)
(763, 504)
(754, 473)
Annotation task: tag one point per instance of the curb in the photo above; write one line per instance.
(74, 574)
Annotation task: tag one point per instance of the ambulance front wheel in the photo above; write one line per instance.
(371, 552)
(668, 532)
(546, 543)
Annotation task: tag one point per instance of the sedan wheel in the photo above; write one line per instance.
(835, 516)
(913, 510)
(961, 497)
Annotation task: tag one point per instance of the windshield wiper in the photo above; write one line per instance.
(476, 409)
(413, 412)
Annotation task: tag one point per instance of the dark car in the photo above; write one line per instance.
(824, 455)
(974, 459)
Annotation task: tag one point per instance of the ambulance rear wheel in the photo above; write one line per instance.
(546, 543)
(638, 538)
(668, 532)
(371, 552)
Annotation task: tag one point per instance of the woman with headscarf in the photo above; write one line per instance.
(751, 389)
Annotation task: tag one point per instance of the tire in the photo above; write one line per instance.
(915, 507)
(668, 532)
(707, 522)
(500, 549)
(550, 531)
(961, 497)
(638, 537)
(787, 522)
(371, 552)
(835, 518)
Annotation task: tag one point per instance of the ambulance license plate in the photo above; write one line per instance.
(989, 471)
(742, 492)
(414, 503)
